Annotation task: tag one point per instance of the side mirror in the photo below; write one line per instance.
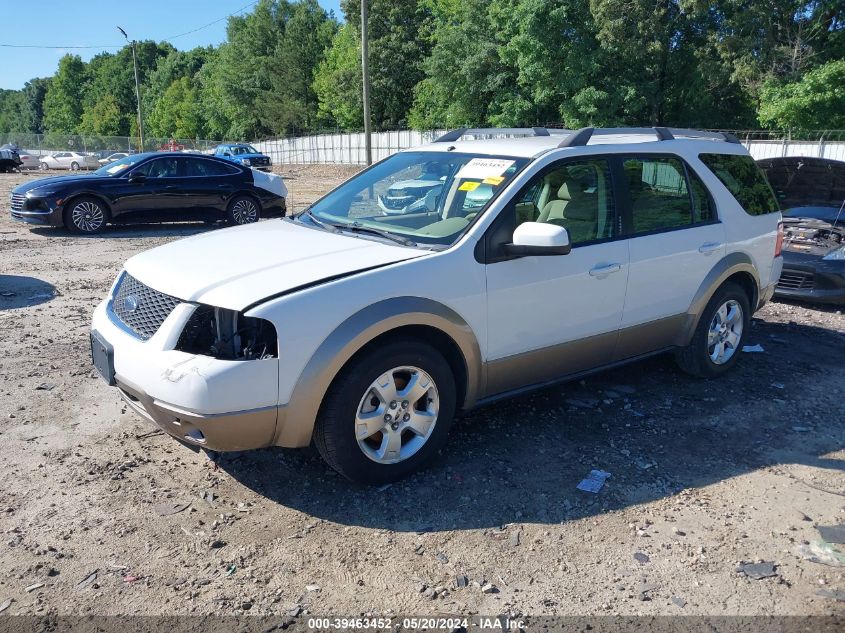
(137, 179)
(539, 238)
(227, 154)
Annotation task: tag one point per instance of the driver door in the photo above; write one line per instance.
(552, 316)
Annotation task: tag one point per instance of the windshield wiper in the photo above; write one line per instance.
(331, 228)
(357, 227)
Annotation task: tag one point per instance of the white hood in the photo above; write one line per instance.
(234, 268)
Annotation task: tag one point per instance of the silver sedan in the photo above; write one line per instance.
(69, 160)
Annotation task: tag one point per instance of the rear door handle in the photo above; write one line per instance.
(709, 247)
(605, 269)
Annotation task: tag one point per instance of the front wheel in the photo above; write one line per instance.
(717, 341)
(43, 166)
(243, 210)
(74, 166)
(85, 215)
(387, 413)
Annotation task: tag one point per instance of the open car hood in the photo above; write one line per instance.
(238, 267)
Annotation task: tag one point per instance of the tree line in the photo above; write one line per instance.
(289, 66)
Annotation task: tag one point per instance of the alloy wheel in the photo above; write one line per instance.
(87, 216)
(397, 415)
(245, 211)
(725, 332)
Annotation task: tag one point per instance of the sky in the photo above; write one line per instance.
(92, 23)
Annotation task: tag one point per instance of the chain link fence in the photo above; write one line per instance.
(349, 148)
(46, 144)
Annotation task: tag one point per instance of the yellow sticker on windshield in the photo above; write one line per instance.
(494, 180)
(469, 185)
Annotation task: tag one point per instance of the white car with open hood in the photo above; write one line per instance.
(367, 332)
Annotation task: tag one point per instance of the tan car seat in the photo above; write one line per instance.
(574, 209)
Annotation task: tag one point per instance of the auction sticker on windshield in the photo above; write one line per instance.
(482, 168)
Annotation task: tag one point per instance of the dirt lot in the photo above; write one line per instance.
(705, 476)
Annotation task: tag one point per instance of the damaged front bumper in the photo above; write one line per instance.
(221, 405)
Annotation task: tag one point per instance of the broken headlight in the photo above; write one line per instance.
(228, 335)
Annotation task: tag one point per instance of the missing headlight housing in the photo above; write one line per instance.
(228, 335)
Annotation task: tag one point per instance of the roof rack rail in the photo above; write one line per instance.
(582, 137)
(456, 135)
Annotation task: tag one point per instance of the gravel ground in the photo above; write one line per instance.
(706, 476)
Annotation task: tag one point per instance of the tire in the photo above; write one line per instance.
(717, 327)
(369, 460)
(86, 215)
(43, 166)
(74, 166)
(243, 210)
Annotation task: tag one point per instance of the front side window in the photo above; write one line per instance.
(159, 168)
(743, 178)
(576, 195)
(424, 197)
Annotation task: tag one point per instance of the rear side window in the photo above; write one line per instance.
(744, 180)
(200, 167)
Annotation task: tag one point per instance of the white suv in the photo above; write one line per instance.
(366, 332)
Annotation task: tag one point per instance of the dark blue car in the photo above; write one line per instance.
(245, 155)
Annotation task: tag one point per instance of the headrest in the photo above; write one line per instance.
(563, 192)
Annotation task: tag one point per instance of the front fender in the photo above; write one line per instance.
(297, 422)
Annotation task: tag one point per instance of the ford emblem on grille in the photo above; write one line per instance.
(130, 303)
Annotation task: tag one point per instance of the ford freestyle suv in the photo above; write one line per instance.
(367, 333)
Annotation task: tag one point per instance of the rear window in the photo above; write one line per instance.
(744, 180)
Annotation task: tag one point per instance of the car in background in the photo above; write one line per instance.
(10, 160)
(112, 157)
(811, 194)
(244, 154)
(69, 160)
(151, 187)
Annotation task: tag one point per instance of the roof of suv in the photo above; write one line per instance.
(529, 143)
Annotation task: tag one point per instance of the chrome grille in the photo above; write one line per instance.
(17, 201)
(140, 308)
(796, 280)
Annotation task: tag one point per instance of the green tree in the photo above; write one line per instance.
(816, 101)
(104, 118)
(399, 43)
(63, 101)
(337, 81)
(177, 113)
(291, 102)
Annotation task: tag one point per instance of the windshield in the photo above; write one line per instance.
(237, 150)
(426, 197)
(119, 166)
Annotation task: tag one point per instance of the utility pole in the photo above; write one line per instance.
(365, 74)
(137, 89)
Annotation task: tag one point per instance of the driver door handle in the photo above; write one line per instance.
(605, 269)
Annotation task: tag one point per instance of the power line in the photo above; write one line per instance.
(60, 47)
(225, 17)
(164, 39)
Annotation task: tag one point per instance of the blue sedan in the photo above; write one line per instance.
(245, 155)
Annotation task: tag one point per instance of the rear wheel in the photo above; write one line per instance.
(243, 210)
(86, 215)
(387, 413)
(74, 166)
(717, 341)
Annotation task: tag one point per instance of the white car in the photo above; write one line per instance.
(111, 158)
(69, 160)
(366, 333)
